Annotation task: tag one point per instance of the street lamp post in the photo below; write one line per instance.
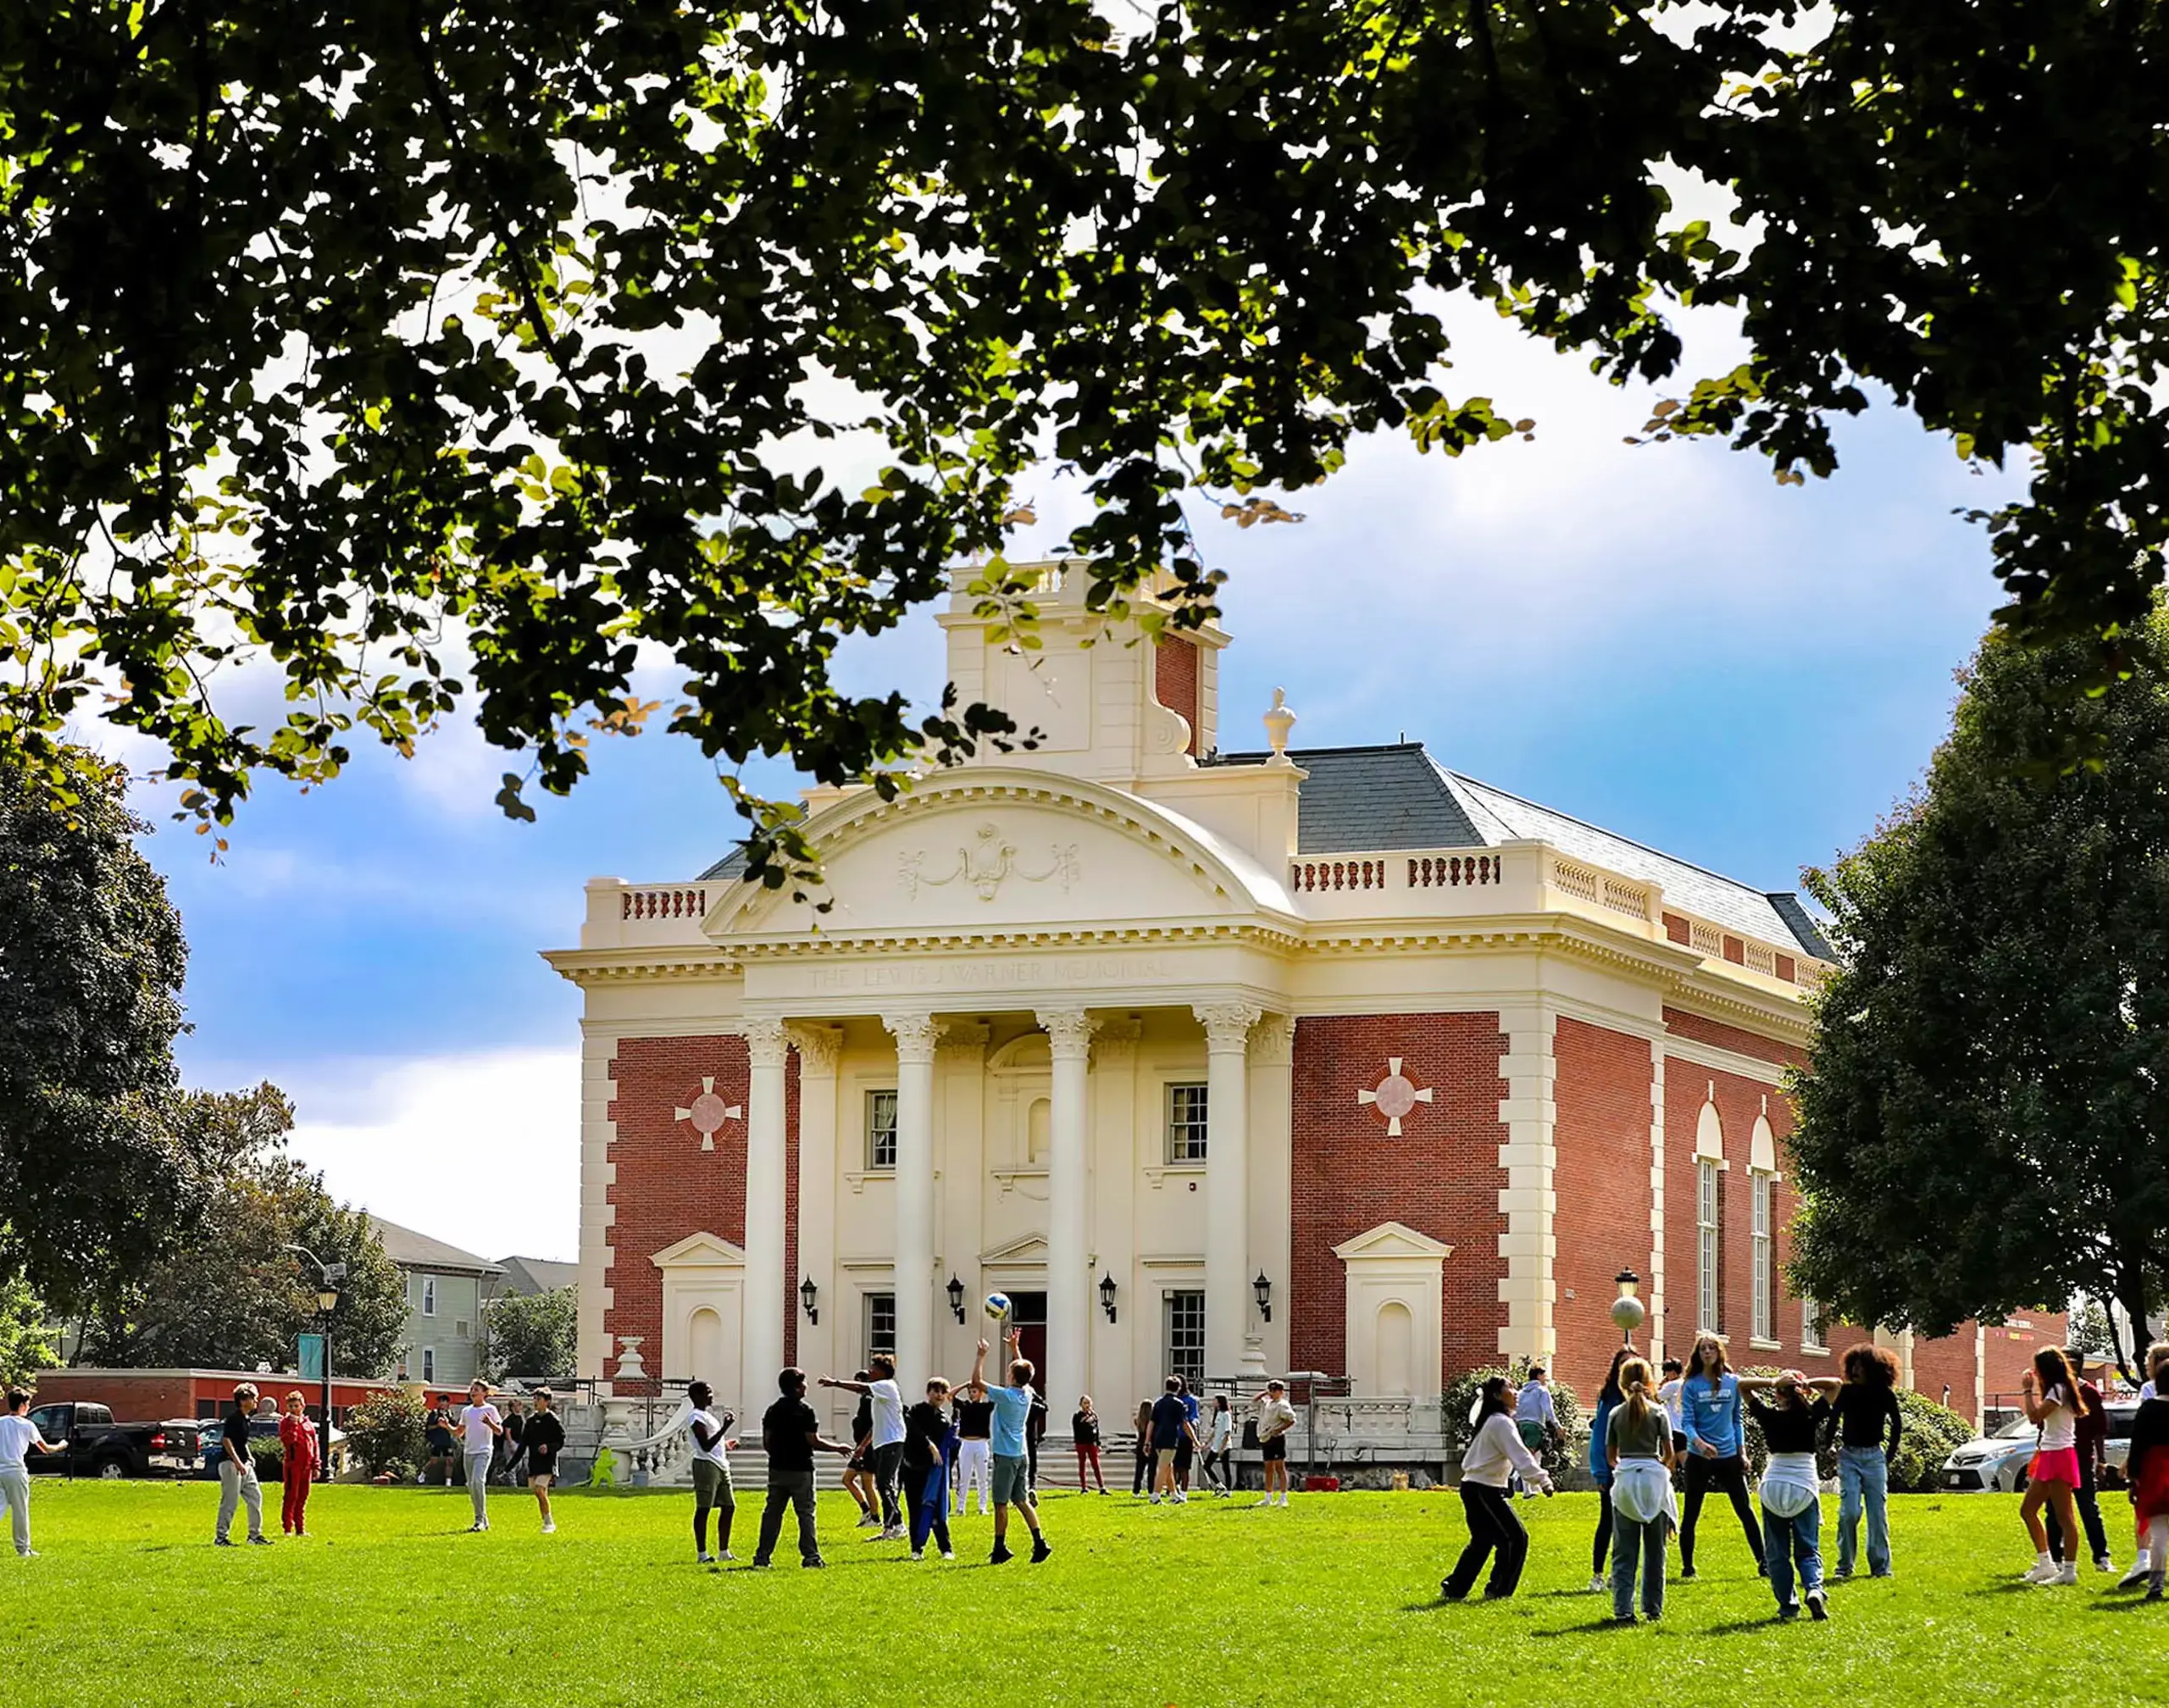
(329, 1276)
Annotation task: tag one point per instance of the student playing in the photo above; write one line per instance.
(297, 1459)
(544, 1440)
(1275, 1418)
(2093, 1448)
(2142, 1560)
(1494, 1453)
(481, 1424)
(1170, 1425)
(1013, 1406)
(19, 1439)
(1709, 1415)
(2147, 1471)
(1536, 1419)
(1084, 1435)
(791, 1435)
(1668, 1395)
(515, 1428)
(974, 1446)
(1607, 1400)
(1036, 1431)
(712, 1444)
(927, 1430)
(1862, 1416)
(1792, 1505)
(858, 1469)
(886, 1436)
(237, 1484)
(1186, 1446)
(2050, 1393)
(436, 1433)
(1141, 1477)
(1641, 1458)
(1220, 1448)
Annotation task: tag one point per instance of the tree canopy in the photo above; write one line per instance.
(234, 1293)
(94, 1178)
(1990, 1054)
(411, 350)
(533, 1334)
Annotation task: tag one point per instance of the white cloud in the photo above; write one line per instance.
(479, 1149)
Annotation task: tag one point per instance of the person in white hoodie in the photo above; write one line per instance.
(1494, 1453)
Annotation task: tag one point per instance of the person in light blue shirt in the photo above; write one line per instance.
(1012, 1408)
(1608, 1399)
(1709, 1416)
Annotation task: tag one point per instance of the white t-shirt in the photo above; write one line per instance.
(477, 1420)
(1668, 1396)
(708, 1422)
(18, 1435)
(888, 1413)
(1223, 1433)
(2059, 1427)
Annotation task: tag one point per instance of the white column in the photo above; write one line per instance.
(1528, 1159)
(820, 1052)
(916, 1036)
(1069, 1280)
(1227, 1183)
(761, 1327)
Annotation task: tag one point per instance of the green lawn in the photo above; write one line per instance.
(1336, 1600)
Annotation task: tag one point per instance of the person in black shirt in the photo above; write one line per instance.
(974, 1447)
(1864, 1411)
(1792, 1504)
(515, 1426)
(790, 1431)
(858, 1469)
(237, 1484)
(1084, 1436)
(927, 1430)
(542, 1438)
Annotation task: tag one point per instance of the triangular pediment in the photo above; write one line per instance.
(1391, 1240)
(1031, 1248)
(700, 1250)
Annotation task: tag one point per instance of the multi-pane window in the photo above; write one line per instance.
(1763, 1254)
(429, 1363)
(880, 1323)
(1706, 1244)
(881, 1129)
(1811, 1327)
(429, 1296)
(1185, 1335)
(1185, 1124)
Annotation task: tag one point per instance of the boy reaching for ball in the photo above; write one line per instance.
(1013, 1406)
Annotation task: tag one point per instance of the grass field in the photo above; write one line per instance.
(1336, 1600)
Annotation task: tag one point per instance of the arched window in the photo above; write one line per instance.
(1762, 1161)
(1709, 1163)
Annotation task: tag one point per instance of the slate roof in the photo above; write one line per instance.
(526, 1277)
(412, 1250)
(1371, 799)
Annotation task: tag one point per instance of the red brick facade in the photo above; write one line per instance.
(1718, 1035)
(668, 1187)
(1601, 1093)
(1441, 1177)
(1175, 680)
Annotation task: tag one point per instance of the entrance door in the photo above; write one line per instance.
(1028, 1315)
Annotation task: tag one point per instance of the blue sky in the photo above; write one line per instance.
(1657, 638)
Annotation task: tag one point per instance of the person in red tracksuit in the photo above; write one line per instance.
(297, 1448)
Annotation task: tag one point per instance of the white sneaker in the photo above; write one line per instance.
(1597, 1585)
(2066, 1573)
(2041, 1573)
(704, 1559)
(1284, 1499)
(2102, 1562)
(2142, 1568)
(1179, 1498)
(549, 1527)
(726, 1554)
(868, 1520)
(918, 1554)
(476, 1528)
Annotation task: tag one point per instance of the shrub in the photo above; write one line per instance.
(269, 1457)
(1929, 1434)
(1460, 1398)
(385, 1432)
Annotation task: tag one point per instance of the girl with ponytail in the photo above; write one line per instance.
(2051, 1394)
(1639, 1452)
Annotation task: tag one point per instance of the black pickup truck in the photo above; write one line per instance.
(93, 1445)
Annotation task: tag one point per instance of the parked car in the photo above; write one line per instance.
(262, 1428)
(93, 1445)
(1999, 1460)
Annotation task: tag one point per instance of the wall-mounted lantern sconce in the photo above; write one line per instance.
(1263, 1289)
(1108, 1295)
(956, 1297)
(809, 1295)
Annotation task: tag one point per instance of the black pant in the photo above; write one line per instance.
(887, 1462)
(1730, 1475)
(1602, 1545)
(1225, 1478)
(1493, 1527)
(1144, 1473)
(2088, 1502)
(793, 1488)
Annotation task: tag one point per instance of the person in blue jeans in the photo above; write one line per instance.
(1640, 1457)
(1865, 1412)
(1709, 1415)
(1792, 1503)
(1608, 1398)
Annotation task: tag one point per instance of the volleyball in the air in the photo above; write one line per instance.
(997, 1304)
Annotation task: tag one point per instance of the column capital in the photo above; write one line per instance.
(767, 1041)
(1227, 1024)
(916, 1036)
(1272, 1043)
(1069, 1032)
(962, 1041)
(820, 1049)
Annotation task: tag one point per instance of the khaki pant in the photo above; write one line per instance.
(15, 1499)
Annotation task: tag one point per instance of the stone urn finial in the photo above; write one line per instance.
(1278, 721)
